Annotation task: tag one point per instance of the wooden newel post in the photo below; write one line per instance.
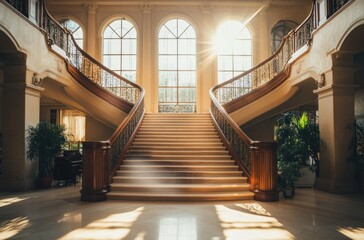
(95, 175)
(263, 180)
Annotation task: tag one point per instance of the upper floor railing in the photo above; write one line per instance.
(258, 160)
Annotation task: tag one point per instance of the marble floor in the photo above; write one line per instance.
(58, 213)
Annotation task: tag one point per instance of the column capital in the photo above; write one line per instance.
(206, 9)
(91, 7)
(146, 7)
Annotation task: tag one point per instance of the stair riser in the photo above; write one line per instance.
(177, 162)
(177, 181)
(179, 198)
(174, 148)
(172, 168)
(172, 190)
(187, 152)
(177, 174)
(176, 157)
(177, 140)
(175, 144)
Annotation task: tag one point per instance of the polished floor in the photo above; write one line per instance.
(59, 214)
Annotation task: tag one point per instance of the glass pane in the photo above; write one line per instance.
(186, 94)
(167, 62)
(224, 76)
(187, 46)
(188, 33)
(171, 25)
(187, 78)
(167, 46)
(182, 26)
(225, 63)
(166, 33)
(116, 29)
(239, 63)
(112, 62)
(112, 46)
(167, 94)
(167, 79)
(130, 75)
(129, 46)
(186, 62)
(128, 62)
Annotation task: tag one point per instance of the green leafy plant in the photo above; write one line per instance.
(45, 141)
(298, 144)
(357, 146)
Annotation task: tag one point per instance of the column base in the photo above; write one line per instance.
(93, 196)
(266, 196)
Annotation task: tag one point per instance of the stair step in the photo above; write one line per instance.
(233, 196)
(176, 180)
(179, 188)
(186, 173)
(176, 148)
(178, 162)
(177, 157)
(133, 152)
(163, 140)
(177, 144)
(179, 167)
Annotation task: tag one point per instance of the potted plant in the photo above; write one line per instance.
(45, 141)
(357, 147)
(296, 140)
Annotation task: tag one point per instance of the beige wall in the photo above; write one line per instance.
(97, 131)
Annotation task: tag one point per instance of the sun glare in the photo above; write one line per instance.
(225, 36)
(238, 224)
(13, 227)
(115, 226)
(8, 201)
(352, 233)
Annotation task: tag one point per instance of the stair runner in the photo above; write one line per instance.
(178, 157)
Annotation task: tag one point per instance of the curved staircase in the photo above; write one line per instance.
(178, 157)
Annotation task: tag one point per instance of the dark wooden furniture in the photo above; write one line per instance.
(68, 166)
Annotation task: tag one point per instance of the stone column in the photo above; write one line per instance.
(91, 29)
(21, 107)
(145, 75)
(206, 59)
(336, 113)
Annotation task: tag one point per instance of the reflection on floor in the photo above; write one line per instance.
(59, 214)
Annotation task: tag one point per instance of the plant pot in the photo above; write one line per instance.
(288, 193)
(307, 178)
(45, 182)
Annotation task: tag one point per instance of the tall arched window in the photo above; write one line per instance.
(120, 48)
(75, 29)
(177, 67)
(279, 31)
(234, 50)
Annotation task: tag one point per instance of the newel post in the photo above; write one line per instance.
(263, 180)
(95, 175)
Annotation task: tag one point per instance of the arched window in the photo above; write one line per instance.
(279, 31)
(75, 29)
(120, 48)
(177, 67)
(234, 50)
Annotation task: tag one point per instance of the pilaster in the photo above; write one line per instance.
(91, 28)
(148, 80)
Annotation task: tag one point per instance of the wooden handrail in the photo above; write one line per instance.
(260, 164)
(100, 159)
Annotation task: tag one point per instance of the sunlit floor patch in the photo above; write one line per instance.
(352, 233)
(240, 224)
(7, 201)
(12, 227)
(115, 226)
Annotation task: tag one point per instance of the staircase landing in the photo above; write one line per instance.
(179, 157)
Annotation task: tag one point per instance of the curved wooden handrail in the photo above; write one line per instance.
(257, 160)
(100, 159)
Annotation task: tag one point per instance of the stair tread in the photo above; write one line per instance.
(177, 177)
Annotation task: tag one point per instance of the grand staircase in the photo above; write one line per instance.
(178, 157)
